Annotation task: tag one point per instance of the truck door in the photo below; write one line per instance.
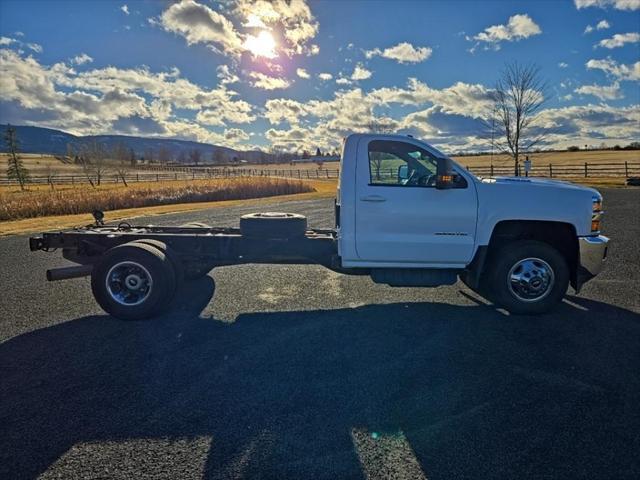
(401, 217)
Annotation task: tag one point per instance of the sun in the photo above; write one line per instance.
(261, 45)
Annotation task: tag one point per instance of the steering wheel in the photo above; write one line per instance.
(412, 179)
(428, 180)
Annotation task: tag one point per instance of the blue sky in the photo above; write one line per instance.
(296, 74)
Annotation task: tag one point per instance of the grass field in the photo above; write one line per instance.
(38, 202)
(557, 158)
(40, 165)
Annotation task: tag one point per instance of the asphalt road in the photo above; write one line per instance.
(281, 372)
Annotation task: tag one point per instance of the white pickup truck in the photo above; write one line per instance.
(406, 214)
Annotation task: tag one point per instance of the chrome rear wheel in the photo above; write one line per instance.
(129, 283)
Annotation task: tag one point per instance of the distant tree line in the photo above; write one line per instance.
(604, 146)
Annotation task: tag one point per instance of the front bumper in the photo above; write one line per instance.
(593, 253)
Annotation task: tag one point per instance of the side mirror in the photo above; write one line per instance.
(444, 174)
(403, 173)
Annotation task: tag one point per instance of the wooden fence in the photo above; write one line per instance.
(174, 174)
(585, 170)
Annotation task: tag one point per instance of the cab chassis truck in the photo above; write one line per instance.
(406, 215)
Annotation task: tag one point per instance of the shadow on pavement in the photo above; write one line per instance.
(475, 393)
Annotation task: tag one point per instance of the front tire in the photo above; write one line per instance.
(528, 277)
(133, 281)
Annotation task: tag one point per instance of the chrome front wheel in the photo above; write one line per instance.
(530, 279)
(527, 277)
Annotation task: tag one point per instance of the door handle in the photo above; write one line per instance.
(373, 198)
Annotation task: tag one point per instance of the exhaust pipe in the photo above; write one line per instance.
(63, 273)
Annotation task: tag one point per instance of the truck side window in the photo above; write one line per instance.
(397, 163)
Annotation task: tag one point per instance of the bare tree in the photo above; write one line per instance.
(50, 173)
(217, 156)
(132, 157)
(71, 153)
(381, 125)
(122, 161)
(195, 156)
(148, 155)
(93, 161)
(164, 155)
(15, 167)
(518, 97)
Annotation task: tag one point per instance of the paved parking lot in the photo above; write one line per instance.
(298, 372)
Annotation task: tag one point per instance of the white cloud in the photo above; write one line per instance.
(81, 59)
(360, 73)
(125, 9)
(563, 65)
(284, 109)
(615, 69)
(128, 101)
(517, 28)
(325, 76)
(236, 134)
(302, 73)
(601, 25)
(603, 92)
(450, 119)
(619, 40)
(403, 53)
(618, 4)
(225, 75)
(268, 83)
(198, 23)
(35, 47)
(6, 41)
(343, 81)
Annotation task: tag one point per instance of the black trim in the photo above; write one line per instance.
(473, 272)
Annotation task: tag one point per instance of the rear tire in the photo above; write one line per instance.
(133, 281)
(273, 225)
(528, 277)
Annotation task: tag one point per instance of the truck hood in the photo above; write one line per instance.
(516, 198)
(538, 182)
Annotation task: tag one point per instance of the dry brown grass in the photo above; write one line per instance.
(15, 204)
(322, 189)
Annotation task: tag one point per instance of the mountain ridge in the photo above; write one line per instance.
(34, 139)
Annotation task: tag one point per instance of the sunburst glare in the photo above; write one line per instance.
(261, 45)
